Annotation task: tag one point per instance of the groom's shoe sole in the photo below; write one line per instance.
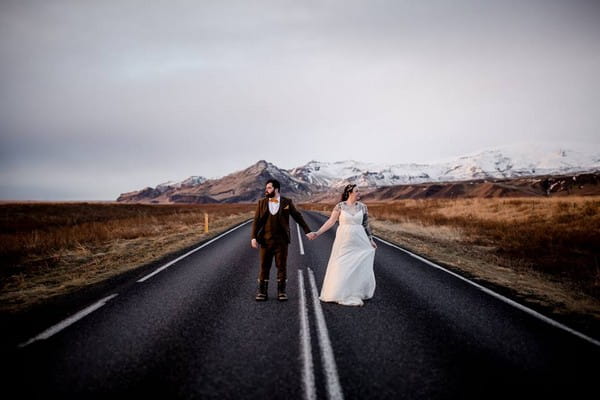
(261, 298)
(282, 297)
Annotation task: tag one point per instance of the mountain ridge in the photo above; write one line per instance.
(317, 180)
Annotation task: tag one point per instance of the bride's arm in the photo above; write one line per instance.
(330, 222)
(367, 226)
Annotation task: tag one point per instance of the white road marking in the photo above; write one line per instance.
(167, 265)
(69, 321)
(499, 296)
(308, 373)
(334, 390)
(300, 240)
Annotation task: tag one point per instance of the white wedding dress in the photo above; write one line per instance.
(349, 278)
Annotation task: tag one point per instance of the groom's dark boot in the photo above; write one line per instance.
(263, 288)
(281, 295)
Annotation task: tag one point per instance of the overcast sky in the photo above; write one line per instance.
(103, 97)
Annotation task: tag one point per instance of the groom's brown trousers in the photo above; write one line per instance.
(278, 251)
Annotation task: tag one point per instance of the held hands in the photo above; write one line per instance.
(373, 244)
(311, 235)
(254, 244)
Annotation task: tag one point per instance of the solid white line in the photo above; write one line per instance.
(167, 265)
(334, 390)
(499, 296)
(300, 240)
(308, 374)
(66, 322)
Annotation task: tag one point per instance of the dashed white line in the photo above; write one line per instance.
(334, 390)
(499, 296)
(308, 374)
(69, 321)
(167, 265)
(300, 240)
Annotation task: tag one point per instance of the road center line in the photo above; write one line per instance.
(308, 373)
(167, 265)
(300, 240)
(334, 390)
(68, 321)
(499, 296)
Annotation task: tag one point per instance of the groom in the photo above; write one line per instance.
(271, 230)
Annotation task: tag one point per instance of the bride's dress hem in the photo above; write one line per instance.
(350, 301)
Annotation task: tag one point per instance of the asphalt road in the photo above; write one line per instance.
(193, 330)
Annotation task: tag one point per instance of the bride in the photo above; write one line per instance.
(349, 278)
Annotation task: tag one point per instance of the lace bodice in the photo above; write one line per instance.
(354, 218)
(346, 218)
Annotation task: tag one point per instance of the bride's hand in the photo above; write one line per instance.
(373, 244)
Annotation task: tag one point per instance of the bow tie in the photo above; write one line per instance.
(273, 201)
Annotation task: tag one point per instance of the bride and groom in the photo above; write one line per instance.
(349, 278)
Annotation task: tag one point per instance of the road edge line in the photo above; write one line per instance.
(498, 296)
(167, 265)
(54, 329)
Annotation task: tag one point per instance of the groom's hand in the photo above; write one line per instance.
(254, 244)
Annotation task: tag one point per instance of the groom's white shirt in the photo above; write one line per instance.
(274, 207)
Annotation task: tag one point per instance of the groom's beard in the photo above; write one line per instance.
(269, 195)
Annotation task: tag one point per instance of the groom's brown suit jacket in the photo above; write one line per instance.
(286, 208)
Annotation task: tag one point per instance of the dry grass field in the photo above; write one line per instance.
(546, 249)
(48, 249)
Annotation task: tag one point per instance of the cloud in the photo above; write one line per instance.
(171, 89)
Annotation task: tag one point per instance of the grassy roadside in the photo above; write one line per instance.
(48, 250)
(544, 250)
(480, 262)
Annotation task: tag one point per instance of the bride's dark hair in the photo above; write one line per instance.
(347, 190)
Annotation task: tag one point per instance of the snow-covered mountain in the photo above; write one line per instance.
(192, 181)
(242, 186)
(506, 162)
(336, 174)
(316, 177)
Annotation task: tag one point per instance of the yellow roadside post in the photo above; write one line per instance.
(205, 222)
